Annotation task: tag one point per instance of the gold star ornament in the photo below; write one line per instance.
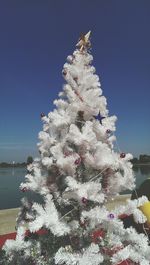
(84, 42)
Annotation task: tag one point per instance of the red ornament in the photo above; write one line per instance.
(108, 131)
(83, 224)
(42, 115)
(75, 78)
(122, 216)
(78, 161)
(96, 235)
(64, 72)
(122, 155)
(84, 200)
(24, 189)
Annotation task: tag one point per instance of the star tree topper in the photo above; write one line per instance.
(84, 41)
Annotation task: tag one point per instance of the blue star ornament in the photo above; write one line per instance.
(99, 117)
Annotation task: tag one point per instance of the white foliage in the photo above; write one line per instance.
(76, 190)
(17, 244)
(96, 216)
(65, 163)
(130, 252)
(47, 161)
(59, 118)
(94, 146)
(61, 104)
(90, 256)
(104, 157)
(48, 216)
(109, 123)
(35, 181)
(87, 138)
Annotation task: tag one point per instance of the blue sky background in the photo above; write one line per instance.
(35, 39)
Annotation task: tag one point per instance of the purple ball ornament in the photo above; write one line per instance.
(111, 216)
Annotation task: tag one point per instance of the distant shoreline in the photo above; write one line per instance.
(7, 165)
(141, 164)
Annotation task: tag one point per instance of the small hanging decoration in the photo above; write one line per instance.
(83, 223)
(75, 79)
(84, 200)
(99, 117)
(67, 153)
(64, 72)
(111, 216)
(78, 161)
(70, 59)
(122, 155)
(108, 131)
(42, 114)
(24, 189)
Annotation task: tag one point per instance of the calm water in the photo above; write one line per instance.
(10, 179)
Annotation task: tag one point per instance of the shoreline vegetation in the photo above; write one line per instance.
(143, 160)
(14, 164)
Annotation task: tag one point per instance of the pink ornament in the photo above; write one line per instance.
(78, 161)
(84, 200)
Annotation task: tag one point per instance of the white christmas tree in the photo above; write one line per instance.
(77, 173)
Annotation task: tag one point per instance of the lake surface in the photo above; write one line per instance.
(10, 179)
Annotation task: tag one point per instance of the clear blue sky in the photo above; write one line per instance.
(35, 39)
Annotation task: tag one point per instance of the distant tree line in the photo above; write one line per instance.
(13, 164)
(143, 159)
